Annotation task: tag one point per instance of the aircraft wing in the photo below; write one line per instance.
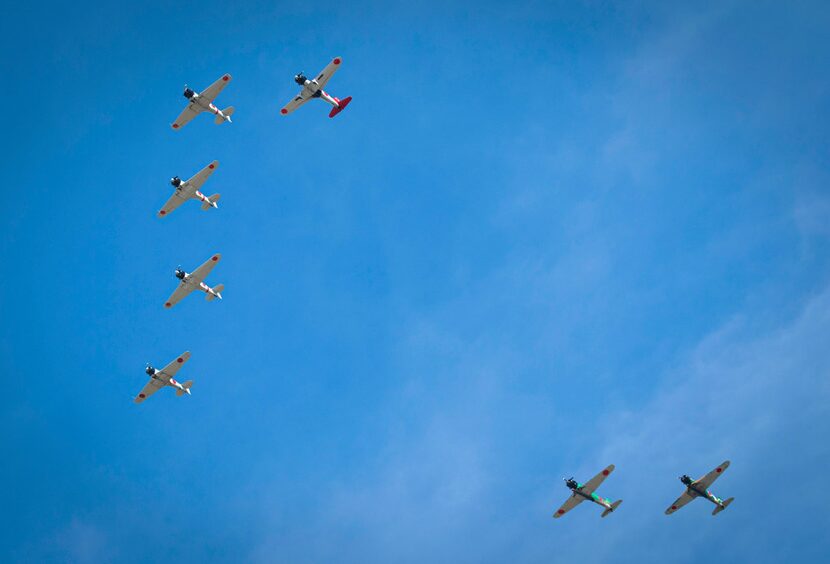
(679, 502)
(181, 292)
(151, 388)
(709, 478)
(195, 182)
(190, 112)
(171, 369)
(175, 201)
(592, 484)
(201, 273)
(298, 101)
(572, 502)
(328, 72)
(211, 92)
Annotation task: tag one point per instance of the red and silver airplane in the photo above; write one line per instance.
(189, 189)
(314, 89)
(195, 281)
(700, 488)
(203, 102)
(165, 377)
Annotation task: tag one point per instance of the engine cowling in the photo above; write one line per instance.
(150, 370)
(188, 93)
(300, 79)
(176, 181)
(180, 274)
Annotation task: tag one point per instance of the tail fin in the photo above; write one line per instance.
(218, 289)
(227, 112)
(613, 507)
(720, 508)
(211, 203)
(341, 105)
(186, 389)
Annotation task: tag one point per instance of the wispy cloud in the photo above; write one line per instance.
(79, 541)
(760, 400)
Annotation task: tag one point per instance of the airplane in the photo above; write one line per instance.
(189, 189)
(699, 488)
(164, 377)
(193, 281)
(581, 492)
(203, 102)
(314, 89)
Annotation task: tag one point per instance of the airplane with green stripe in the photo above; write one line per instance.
(699, 488)
(582, 492)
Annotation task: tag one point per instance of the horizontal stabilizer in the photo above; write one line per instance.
(211, 202)
(227, 112)
(613, 507)
(341, 105)
(720, 508)
(217, 292)
(186, 389)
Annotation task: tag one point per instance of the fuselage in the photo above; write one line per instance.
(606, 503)
(162, 377)
(197, 102)
(187, 279)
(695, 491)
(312, 90)
(186, 190)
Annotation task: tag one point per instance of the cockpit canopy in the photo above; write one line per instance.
(188, 93)
(686, 480)
(176, 181)
(150, 370)
(300, 79)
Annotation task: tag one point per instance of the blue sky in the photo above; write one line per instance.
(543, 238)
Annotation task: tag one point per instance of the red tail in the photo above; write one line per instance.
(341, 105)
